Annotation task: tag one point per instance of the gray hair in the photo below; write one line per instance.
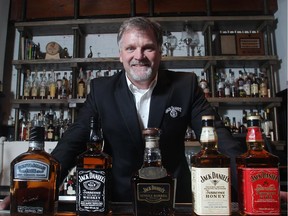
(141, 23)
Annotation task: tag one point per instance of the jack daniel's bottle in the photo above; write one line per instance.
(153, 187)
(34, 179)
(93, 174)
(258, 175)
(210, 175)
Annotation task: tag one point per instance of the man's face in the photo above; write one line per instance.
(140, 56)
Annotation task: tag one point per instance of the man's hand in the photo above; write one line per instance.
(5, 204)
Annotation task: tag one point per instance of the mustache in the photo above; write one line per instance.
(141, 63)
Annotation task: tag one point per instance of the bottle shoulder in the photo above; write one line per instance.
(37, 155)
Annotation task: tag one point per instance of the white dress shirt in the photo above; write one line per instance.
(142, 98)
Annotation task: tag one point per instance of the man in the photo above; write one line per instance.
(142, 96)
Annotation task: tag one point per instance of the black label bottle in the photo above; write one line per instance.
(34, 179)
(210, 173)
(258, 175)
(153, 187)
(93, 176)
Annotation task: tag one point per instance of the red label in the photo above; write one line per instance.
(254, 134)
(261, 191)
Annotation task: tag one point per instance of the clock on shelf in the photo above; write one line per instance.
(53, 50)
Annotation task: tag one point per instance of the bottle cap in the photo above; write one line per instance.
(37, 134)
(151, 132)
(208, 117)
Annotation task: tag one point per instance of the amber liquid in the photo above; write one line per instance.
(32, 194)
(95, 160)
(255, 157)
(151, 205)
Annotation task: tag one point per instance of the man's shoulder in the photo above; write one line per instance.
(178, 74)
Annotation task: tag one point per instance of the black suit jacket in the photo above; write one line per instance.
(176, 102)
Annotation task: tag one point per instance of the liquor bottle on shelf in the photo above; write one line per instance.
(240, 85)
(81, 85)
(35, 86)
(43, 88)
(153, 187)
(210, 175)
(267, 125)
(93, 174)
(255, 85)
(221, 84)
(27, 85)
(258, 175)
(70, 81)
(52, 85)
(203, 83)
(227, 89)
(65, 86)
(234, 128)
(58, 86)
(247, 84)
(263, 86)
(233, 84)
(88, 81)
(34, 179)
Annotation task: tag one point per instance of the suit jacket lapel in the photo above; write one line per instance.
(126, 104)
(159, 99)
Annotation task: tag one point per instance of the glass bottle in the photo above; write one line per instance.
(52, 86)
(81, 85)
(59, 85)
(153, 188)
(27, 86)
(34, 86)
(258, 175)
(203, 83)
(93, 174)
(255, 85)
(240, 85)
(42, 89)
(34, 179)
(210, 175)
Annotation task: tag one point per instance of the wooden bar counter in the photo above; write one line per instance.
(126, 209)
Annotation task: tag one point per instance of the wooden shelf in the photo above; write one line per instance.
(245, 102)
(174, 62)
(217, 102)
(173, 24)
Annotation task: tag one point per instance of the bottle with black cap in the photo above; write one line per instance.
(34, 179)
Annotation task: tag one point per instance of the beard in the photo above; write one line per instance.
(143, 73)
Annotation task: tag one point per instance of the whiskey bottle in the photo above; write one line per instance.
(210, 175)
(34, 179)
(258, 175)
(93, 174)
(81, 85)
(153, 187)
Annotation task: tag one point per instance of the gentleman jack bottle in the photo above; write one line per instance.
(210, 173)
(153, 187)
(34, 179)
(93, 176)
(258, 175)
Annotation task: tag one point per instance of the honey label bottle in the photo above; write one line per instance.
(210, 175)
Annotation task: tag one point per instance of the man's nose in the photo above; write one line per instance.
(139, 54)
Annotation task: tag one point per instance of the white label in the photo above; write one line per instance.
(211, 191)
(31, 170)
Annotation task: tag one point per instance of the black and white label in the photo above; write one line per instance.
(31, 169)
(91, 190)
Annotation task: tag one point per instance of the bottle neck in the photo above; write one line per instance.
(208, 139)
(152, 154)
(36, 145)
(254, 138)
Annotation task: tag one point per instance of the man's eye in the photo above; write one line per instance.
(130, 49)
